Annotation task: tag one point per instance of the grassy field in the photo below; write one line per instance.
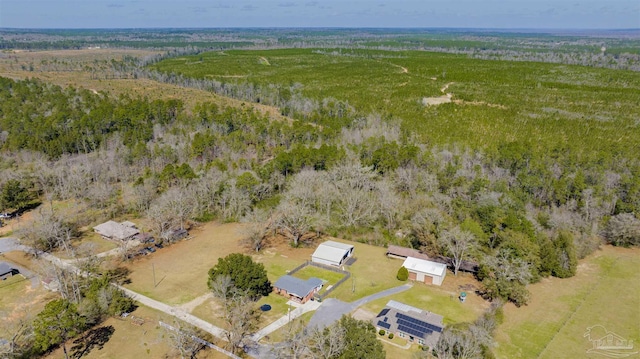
(544, 105)
(128, 340)
(605, 291)
(368, 278)
(181, 270)
(18, 298)
(79, 76)
(437, 300)
(329, 278)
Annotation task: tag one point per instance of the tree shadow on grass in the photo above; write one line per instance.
(96, 337)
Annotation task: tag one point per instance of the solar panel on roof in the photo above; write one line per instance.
(383, 324)
(383, 312)
(416, 324)
(414, 332)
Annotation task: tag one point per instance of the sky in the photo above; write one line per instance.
(529, 14)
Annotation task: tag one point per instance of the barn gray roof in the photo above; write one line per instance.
(332, 251)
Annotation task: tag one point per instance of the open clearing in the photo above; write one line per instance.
(441, 300)
(68, 68)
(129, 340)
(181, 269)
(605, 291)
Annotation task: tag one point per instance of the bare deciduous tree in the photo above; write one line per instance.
(182, 339)
(255, 228)
(293, 220)
(238, 311)
(458, 244)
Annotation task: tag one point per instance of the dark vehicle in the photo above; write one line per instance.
(149, 250)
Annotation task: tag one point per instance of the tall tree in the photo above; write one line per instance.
(360, 340)
(458, 244)
(245, 274)
(58, 322)
(14, 196)
(239, 312)
(293, 220)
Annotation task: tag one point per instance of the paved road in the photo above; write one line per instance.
(333, 309)
(9, 244)
(176, 312)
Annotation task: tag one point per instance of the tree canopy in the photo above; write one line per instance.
(246, 274)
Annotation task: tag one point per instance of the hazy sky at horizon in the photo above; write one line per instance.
(534, 14)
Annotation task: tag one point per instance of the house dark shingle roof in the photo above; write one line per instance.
(6, 268)
(297, 286)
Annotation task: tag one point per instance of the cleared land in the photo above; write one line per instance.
(372, 272)
(124, 339)
(181, 269)
(605, 291)
(90, 69)
(441, 300)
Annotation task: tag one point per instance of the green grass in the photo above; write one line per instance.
(432, 299)
(606, 291)
(371, 273)
(278, 305)
(11, 290)
(329, 278)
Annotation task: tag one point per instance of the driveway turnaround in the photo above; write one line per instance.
(333, 309)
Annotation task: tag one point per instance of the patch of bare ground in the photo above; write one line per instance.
(445, 98)
(264, 61)
(480, 103)
(363, 314)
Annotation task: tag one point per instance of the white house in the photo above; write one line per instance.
(332, 253)
(425, 271)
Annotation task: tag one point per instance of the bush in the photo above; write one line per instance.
(390, 335)
(403, 274)
(382, 332)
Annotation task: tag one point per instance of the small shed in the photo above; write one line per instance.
(7, 271)
(332, 253)
(297, 289)
(425, 271)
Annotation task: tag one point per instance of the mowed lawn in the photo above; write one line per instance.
(181, 270)
(328, 277)
(605, 291)
(442, 300)
(372, 272)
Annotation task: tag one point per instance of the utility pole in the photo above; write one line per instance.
(154, 274)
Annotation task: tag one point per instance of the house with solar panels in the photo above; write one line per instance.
(411, 323)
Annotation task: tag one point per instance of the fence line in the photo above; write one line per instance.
(202, 341)
(317, 296)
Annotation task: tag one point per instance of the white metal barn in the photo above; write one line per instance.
(332, 253)
(425, 271)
